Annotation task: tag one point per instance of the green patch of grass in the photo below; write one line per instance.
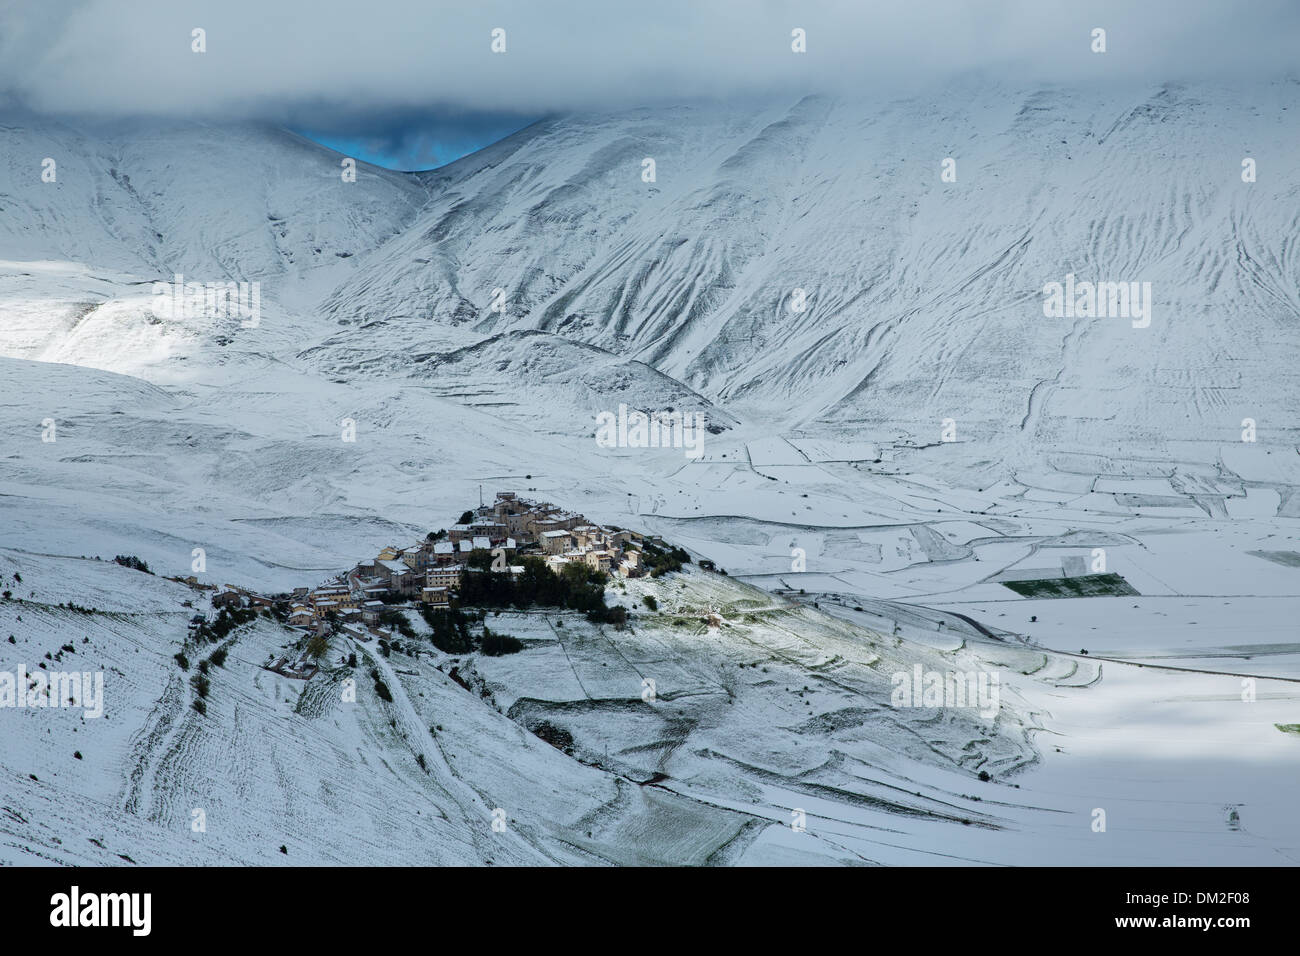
(1088, 585)
(1289, 728)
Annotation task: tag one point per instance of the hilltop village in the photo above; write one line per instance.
(499, 553)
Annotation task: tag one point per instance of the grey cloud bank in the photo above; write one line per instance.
(308, 59)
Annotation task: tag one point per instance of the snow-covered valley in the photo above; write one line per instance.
(858, 542)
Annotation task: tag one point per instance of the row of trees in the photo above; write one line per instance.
(577, 587)
(660, 561)
(450, 627)
(227, 620)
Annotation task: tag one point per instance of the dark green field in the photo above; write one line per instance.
(1088, 585)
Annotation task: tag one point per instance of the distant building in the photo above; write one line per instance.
(600, 560)
(355, 631)
(227, 599)
(401, 579)
(556, 541)
(489, 529)
(435, 596)
(324, 607)
(445, 576)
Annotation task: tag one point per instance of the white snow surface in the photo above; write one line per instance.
(924, 303)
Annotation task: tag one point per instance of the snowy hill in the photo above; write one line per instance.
(415, 779)
(424, 337)
(245, 202)
(920, 293)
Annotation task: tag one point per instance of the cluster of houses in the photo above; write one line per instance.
(356, 613)
(559, 536)
(432, 570)
(228, 595)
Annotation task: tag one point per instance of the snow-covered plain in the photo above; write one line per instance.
(924, 303)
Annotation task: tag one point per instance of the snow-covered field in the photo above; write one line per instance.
(856, 543)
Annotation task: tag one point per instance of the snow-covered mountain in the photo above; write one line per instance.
(242, 202)
(923, 298)
(471, 322)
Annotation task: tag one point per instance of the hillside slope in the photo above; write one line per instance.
(924, 298)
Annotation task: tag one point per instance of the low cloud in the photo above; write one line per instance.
(303, 60)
